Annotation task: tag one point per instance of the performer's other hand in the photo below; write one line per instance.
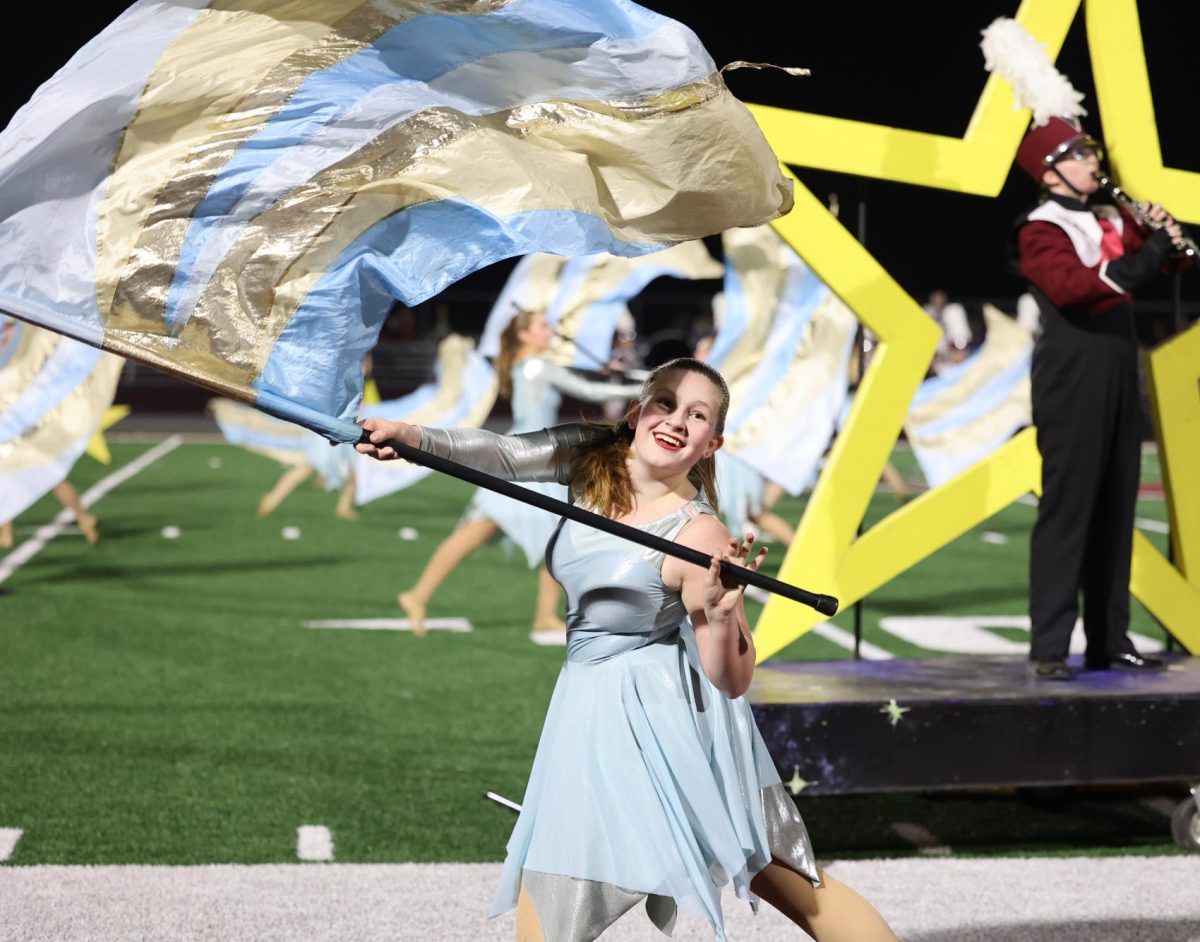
(722, 596)
(383, 430)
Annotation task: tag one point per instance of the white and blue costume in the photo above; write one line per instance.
(649, 782)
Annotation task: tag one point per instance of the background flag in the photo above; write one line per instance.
(785, 340)
(461, 396)
(966, 413)
(54, 393)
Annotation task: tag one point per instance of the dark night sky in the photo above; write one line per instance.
(914, 64)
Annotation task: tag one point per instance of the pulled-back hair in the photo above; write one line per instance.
(510, 343)
(600, 479)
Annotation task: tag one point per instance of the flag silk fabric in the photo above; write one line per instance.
(594, 291)
(236, 191)
(962, 416)
(584, 297)
(784, 342)
(531, 287)
(54, 392)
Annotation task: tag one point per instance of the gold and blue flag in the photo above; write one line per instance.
(784, 343)
(585, 297)
(236, 191)
(461, 395)
(963, 415)
(54, 392)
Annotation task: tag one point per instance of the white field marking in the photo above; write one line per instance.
(969, 634)
(501, 800)
(839, 636)
(990, 536)
(831, 632)
(926, 843)
(8, 841)
(47, 532)
(391, 624)
(314, 843)
(171, 533)
(1028, 500)
(1162, 804)
(1154, 526)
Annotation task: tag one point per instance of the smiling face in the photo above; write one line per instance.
(678, 422)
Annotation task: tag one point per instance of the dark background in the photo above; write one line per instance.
(914, 64)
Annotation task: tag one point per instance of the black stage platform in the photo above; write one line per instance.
(941, 723)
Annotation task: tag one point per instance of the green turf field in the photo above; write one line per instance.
(163, 701)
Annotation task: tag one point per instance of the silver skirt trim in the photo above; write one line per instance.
(575, 910)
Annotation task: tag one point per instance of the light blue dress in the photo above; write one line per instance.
(649, 783)
(538, 389)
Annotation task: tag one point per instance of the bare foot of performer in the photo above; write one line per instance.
(69, 498)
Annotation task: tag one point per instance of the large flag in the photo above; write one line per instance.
(54, 392)
(236, 191)
(966, 413)
(784, 342)
(461, 396)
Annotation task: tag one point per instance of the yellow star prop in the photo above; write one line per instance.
(827, 554)
(1130, 129)
(97, 446)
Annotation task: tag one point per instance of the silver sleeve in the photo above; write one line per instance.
(544, 455)
(587, 390)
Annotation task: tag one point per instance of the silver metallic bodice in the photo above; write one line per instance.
(616, 599)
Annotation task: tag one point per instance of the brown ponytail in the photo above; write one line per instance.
(510, 343)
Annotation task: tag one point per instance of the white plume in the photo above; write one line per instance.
(1013, 54)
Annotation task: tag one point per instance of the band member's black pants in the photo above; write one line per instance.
(1085, 407)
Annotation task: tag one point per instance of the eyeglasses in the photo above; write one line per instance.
(1083, 152)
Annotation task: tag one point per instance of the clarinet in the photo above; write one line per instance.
(1121, 198)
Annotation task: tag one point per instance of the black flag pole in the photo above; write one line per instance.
(825, 604)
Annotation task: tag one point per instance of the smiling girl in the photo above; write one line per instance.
(651, 780)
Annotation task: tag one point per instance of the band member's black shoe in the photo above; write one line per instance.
(1125, 662)
(1051, 670)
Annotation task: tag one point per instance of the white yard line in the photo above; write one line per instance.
(831, 632)
(390, 624)
(314, 843)
(8, 841)
(35, 544)
(1154, 526)
(845, 639)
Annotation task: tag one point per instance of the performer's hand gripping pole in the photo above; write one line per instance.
(825, 604)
